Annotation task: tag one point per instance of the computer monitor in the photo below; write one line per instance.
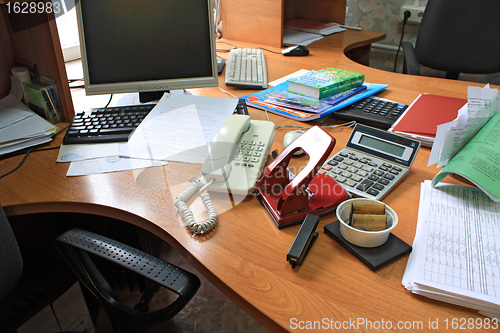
(147, 45)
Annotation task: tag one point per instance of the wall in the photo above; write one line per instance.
(383, 16)
(6, 56)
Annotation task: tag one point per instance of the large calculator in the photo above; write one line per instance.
(372, 162)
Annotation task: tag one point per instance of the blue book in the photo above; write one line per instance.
(258, 100)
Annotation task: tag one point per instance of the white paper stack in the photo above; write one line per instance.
(295, 37)
(20, 127)
(456, 251)
(315, 27)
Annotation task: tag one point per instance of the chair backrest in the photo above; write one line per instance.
(460, 36)
(11, 262)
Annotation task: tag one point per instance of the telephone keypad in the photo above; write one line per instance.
(249, 151)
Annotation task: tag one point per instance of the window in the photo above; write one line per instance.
(68, 30)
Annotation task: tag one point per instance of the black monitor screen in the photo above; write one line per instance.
(147, 40)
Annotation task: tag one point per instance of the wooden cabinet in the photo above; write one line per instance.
(33, 38)
(261, 21)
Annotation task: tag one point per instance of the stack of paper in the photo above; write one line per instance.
(452, 136)
(455, 255)
(20, 127)
(304, 32)
(295, 37)
(315, 27)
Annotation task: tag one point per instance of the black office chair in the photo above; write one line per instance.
(82, 250)
(456, 36)
(22, 293)
(11, 263)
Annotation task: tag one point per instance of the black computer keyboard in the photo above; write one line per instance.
(372, 111)
(114, 124)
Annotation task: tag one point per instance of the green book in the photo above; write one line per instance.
(325, 82)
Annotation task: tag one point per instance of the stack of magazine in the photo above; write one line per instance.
(282, 100)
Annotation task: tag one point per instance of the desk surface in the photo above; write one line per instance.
(246, 254)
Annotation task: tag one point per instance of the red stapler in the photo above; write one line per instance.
(289, 201)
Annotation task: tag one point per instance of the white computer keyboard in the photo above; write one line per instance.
(246, 68)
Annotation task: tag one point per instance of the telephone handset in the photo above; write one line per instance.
(238, 154)
(236, 159)
(217, 165)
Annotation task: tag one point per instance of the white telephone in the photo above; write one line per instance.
(238, 154)
(236, 159)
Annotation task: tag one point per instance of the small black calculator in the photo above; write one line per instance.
(372, 111)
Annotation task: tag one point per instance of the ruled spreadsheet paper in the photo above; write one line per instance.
(456, 251)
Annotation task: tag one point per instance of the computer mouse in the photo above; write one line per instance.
(220, 65)
(297, 50)
(290, 137)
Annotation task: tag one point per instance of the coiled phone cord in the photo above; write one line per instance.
(187, 214)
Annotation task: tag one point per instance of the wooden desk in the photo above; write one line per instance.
(245, 256)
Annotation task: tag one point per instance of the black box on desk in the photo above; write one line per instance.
(43, 98)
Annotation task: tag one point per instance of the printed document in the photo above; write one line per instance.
(469, 146)
(179, 128)
(482, 105)
(456, 250)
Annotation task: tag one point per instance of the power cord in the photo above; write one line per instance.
(26, 154)
(110, 98)
(406, 16)
(333, 126)
(197, 186)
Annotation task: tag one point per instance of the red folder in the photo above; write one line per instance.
(426, 112)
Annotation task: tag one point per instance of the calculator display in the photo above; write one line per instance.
(381, 145)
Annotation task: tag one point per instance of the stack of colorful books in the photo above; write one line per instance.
(314, 94)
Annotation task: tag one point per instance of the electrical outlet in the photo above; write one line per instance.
(417, 12)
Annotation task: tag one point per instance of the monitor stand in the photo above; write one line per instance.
(149, 96)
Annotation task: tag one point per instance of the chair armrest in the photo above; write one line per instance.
(411, 65)
(75, 246)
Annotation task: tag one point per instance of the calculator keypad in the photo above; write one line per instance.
(362, 175)
(372, 111)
